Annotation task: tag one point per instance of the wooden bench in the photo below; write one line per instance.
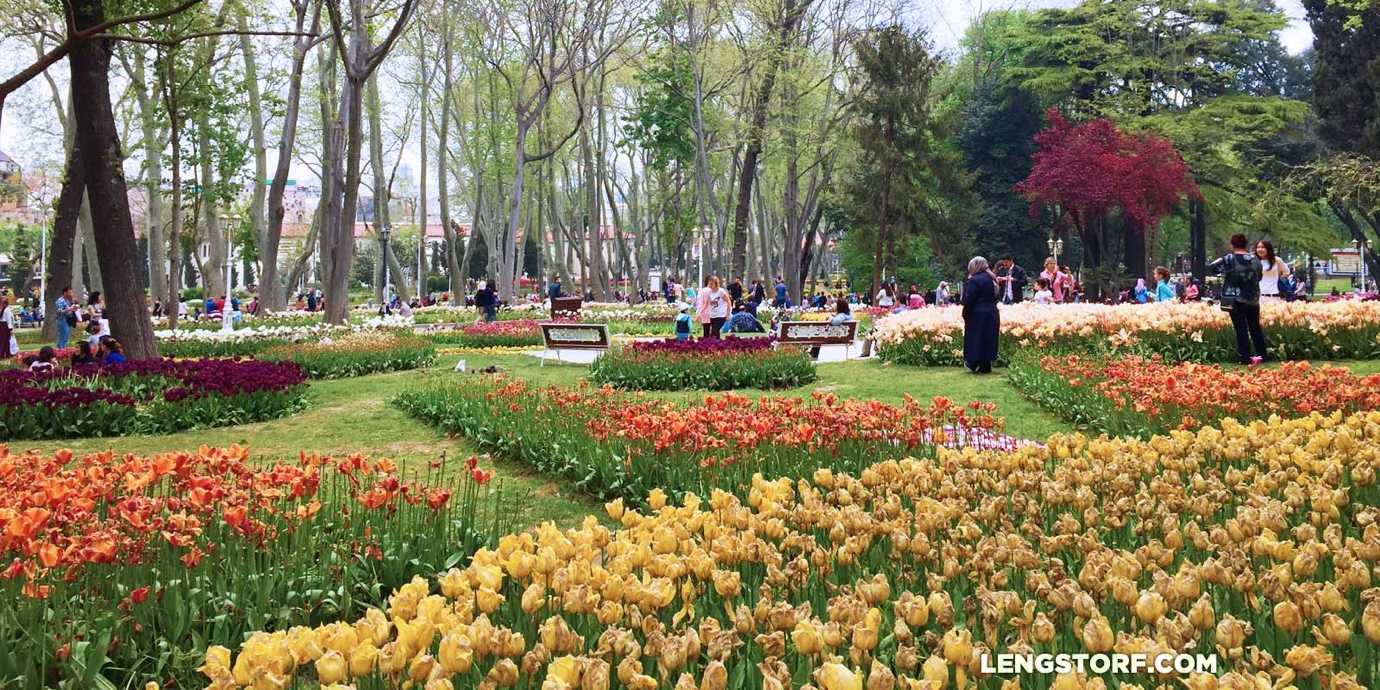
(574, 342)
(834, 340)
(565, 307)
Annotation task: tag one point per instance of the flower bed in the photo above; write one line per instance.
(1196, 332)
(246, 342)
(125, 568)
(907, 575)
(356, 354)
(146, 397)
(707, 363)
(612, 444)
(1137, 396)
(512, 333)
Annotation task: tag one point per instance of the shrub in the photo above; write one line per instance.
(613, 444)
(708, 363)
(146, 397)
(356, 355)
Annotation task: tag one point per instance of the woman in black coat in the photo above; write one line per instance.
(981, 322)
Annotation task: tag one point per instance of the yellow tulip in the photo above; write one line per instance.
(835, 676)
(331, 668)
(455, 654)
(566, 669)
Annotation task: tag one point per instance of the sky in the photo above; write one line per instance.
(31, 135)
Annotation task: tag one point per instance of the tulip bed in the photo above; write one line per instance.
(906, 574)
(1136, 396)
(122, 568)
(1198, 332)
(619, 445)
(707, 363)
(510, 333)
(155, 396)
(356, 355)
(247, 342)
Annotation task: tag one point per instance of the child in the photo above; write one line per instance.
(84, 356)
(44, 361)
(1043, 295)
(1164, 290)
(683, 323)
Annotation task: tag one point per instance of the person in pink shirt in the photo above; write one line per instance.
(1059, 282)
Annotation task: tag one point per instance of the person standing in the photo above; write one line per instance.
(9, 346)
(884, 298)
(1011, 279)
(981, 319)
(1241, 298)
(67, 316)
(941, 294)
(486, 300)
(735, 290)
(1164, 288)
(1272, 270)
(553, 289)
(781, 301)
(711, 306)
(1059, 281)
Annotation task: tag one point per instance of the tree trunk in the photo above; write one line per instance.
(790, 17)
(218, 246)
(64, 238)
(383, 193)
(1197, 231)
(273, 296)
(257, 220)
(456, 270)
(153, 176)
(116, 249)
(86, 245)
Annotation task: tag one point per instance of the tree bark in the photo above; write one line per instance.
(790, 17)
(273, 294)
(59, 267)
(153, 176)
(457, 272)
(103, 160)
(257, 200)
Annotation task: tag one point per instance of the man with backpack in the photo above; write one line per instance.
(1241, 299)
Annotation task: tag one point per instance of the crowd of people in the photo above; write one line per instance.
(1250, 274)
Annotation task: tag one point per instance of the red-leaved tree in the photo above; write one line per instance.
(1103, 182)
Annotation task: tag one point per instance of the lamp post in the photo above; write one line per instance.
(227, 313)
(1055, 246)
(384, 232)
(700, 233)
(1360, 246)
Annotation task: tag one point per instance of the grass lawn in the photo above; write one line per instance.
(353, 416)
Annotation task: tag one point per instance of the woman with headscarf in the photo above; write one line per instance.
(981, 321)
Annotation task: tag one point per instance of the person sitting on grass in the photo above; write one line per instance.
(84, 355)
(683, 323)
(113, 352)
(742, 322)
(44, 362)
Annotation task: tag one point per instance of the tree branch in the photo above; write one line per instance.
(183, 39)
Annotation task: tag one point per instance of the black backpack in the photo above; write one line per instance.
(1240, 279)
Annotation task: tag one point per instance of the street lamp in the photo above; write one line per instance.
(701, 233)
(1360, 245)
(384, 232)
(1056, 245)
(227, 313)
